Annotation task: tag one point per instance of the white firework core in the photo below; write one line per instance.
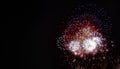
(91, 43)
(74, 46)
(87, 46)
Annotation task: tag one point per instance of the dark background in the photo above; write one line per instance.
(29, 37)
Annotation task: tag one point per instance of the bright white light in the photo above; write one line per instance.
(97, 40)
(74, 46)
(91, 43)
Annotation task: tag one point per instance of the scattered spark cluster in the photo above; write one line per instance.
(86, 41)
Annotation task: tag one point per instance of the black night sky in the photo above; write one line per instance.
(29, 37)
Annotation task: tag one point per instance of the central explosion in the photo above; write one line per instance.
(83, 38)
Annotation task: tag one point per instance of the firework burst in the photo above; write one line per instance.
(86, 39)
